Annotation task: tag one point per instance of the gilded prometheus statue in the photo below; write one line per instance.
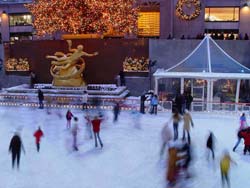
(67, 69)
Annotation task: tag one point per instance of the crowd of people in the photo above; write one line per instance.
(179, 149)
(215, 36)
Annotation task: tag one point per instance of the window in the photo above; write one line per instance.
(222, 14)
(149, 24)
(20, 19)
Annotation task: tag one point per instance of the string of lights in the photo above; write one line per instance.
(84, 16)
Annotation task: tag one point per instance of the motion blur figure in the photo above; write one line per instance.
(210, 145)
(38, 134)
(225, 164)
(116, 111)
(69, 116)
(167, 136)
(96, 123)
(15, 148)
(74, 133)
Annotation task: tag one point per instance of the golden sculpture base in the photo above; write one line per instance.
(73, 82)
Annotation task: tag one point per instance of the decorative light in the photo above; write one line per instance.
(85, 16)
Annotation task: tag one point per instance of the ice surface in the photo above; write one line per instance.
(130, 157)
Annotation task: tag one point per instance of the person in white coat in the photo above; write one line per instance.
(166, 135)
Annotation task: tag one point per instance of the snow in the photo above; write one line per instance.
(130, 157)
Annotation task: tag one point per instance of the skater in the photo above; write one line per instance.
(116, 111)
(153, 104)
(210, 144)
(85, 100)
(186, 126)
(38, 134)
(136, 117)
(96, 129)
(15, 148)
(69, 116)
(142, 104)
(189, 100)
(74, 133)
(225, 163)
(172, 168)
(166, 136)
(187, 158)
(246, 135)
(176, 119)
(88, 124)
(40, 98)
(243, 125)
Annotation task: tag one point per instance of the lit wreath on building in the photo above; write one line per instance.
(180, 12)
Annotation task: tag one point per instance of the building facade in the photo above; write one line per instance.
(157, 18)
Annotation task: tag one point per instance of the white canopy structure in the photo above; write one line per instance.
(208, 61)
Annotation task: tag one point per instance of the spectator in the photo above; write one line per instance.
(40, 98)
(246, 37)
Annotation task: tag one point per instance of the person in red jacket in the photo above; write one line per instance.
(38, 134)
(96, 122)
(246, 135)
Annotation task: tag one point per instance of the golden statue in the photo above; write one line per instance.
(67, 69)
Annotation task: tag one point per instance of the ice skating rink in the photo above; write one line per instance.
(130, 157)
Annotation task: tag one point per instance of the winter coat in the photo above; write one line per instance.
(96, 125)
(210, 142)
(225, 164)
(243, 122)
(176, 119)
(38, 134)
(246, 136)
(15, 144)
(40, 96)
(166, 134)
(69, 115)
(187, 120)
(154, 101)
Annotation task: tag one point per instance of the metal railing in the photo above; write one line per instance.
(108, 103)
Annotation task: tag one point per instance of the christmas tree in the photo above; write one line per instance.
(84, 16)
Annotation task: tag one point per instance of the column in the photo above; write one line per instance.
(237, 94)
(208, 94)
(156, 86)
(182, 85)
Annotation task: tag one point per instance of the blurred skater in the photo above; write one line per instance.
(246, 135)
(136, 117)
(85, 100)
(172, 167)
(166, 135)
(38, 134)
(176, 117)
(210, 145)
(69, 116)
(96, 123)
(225, 164)
(116, 111)
(186, 126)
(40, 98)
(87, 118)
(15, 148)
(243, 125)
(74, 133)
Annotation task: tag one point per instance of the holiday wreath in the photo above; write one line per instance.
(188, 3)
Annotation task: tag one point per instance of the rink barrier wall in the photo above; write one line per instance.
(108, 103)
